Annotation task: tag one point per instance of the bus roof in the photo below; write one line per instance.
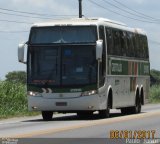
(90, 21)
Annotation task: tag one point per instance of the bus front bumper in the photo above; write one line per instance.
(89, 103)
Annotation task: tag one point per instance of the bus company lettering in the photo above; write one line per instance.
(116, 67)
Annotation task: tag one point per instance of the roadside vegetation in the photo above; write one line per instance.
(154, 95)
(13, 99)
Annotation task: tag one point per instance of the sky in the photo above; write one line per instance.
(15, 26)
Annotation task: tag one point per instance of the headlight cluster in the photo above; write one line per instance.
(88, 93)
(32, 93)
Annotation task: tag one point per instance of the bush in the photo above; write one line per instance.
(13, 99)
(16, 77)
(154, 94)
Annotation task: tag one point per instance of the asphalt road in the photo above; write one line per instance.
(70, 126)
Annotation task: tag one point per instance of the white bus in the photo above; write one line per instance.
(86, 65)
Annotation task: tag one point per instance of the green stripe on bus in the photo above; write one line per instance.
(124, 67)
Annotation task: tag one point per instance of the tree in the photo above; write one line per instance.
(155, 77)
(16, 77)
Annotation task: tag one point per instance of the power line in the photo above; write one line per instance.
(152, 41)
(140, 16)
(25, 15)
(15, 21)
(32, 13)
(28, 16)
(1, 31)
(107, 9)
(147, 16)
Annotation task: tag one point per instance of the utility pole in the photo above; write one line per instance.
(80, 8)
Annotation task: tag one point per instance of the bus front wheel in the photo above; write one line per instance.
(84, 114)
(47, 115)
(105, 113)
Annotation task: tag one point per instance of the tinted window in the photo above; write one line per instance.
(137, 48)
(130, 44)
(124, 47)
(141, 49)
(146, 47)
(78, 65)
(63, 34)
(43, 65)
(65, 65)
(117, 42)
(141, 46)
(134, 43)
(109, 41)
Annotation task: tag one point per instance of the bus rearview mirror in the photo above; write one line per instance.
(21, 48)
(99, 49)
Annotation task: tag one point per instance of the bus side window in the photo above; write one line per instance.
(146, 47)
(134, 44)
(130, 45)
(109, 40)
(137, 48)
(117, 43)
(141, 46)
(132, 53)
(123, 43)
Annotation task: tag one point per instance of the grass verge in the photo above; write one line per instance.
(154, 94)
(13, 100)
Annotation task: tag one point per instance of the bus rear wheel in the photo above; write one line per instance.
(137, 108)
(125, 111)
(47, 115)
(133, 110)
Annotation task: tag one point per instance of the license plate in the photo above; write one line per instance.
(61, 103)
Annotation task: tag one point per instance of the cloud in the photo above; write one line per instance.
(23, 3)
(139, 1)
(49, 6)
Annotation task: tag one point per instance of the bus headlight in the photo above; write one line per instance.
(88, 93)
(32, 93)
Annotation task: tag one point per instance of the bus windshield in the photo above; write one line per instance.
(63, 34)
(62, 65)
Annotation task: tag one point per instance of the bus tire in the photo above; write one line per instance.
(125, 111)
(137, 108)
(84, 114)
(47, 115)
(105, 113)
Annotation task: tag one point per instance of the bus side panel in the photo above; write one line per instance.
(125, 77)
